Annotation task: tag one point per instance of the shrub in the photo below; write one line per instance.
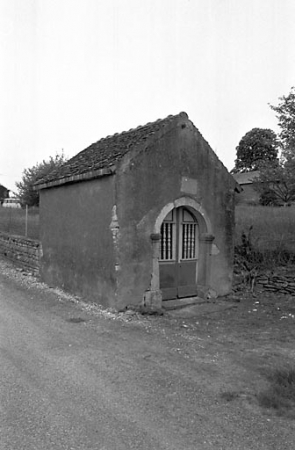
(268, 198)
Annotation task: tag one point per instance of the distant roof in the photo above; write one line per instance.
(246, 177)
(99, 159)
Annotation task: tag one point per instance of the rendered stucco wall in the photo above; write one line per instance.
(77, 239)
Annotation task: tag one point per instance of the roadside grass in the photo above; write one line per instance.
(280, 395)
(13, 221)
(271, 225)
(229, 396)
(270, 232)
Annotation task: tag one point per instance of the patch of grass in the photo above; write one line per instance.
(280, 396)
(269, 223)
(272, 236)
(229, 396)
(13, 221)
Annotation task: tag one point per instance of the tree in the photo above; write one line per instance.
(257, 146)
(26, 193)
(276, 182)
(286, 115)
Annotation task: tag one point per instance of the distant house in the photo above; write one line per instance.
(248, 194)
(12, 202)
(4, 193)
(139, 218)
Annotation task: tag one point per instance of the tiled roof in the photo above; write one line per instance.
(3, 188)
(246, 177)
(100, 158)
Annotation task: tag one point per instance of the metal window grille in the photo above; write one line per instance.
(167, 241)
(188, 240)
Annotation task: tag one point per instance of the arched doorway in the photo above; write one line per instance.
(204, 238)
(179, 254)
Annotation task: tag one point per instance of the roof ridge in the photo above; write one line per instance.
(170, 117)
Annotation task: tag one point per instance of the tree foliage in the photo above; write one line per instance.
(257, 146)
(276, 182)
(26, 193)
(286, 115)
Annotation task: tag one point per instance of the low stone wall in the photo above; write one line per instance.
(284, 284)
(23, 251)
(267, 280)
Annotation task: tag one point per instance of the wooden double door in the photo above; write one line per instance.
(179, 249)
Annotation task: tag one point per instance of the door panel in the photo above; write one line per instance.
(168, 277)
(187, 286)
(178, 255)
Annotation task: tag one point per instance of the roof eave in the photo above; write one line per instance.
(76, 178)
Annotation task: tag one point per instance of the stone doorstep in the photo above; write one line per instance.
(182, 302)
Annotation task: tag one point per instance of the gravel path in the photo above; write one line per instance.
(75, 376)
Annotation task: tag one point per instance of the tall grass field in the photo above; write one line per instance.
(273, 228)
(15, 221)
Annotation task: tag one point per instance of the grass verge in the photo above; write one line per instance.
(280, 395)
(14, 221)
(265, 235)
(272, 227)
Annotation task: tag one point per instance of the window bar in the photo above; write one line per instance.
(183, 241)
(163, 242)
(164, 250)
(188, 241)
(167, 241)
(169, 246)
(195, 231)
(192, 240)
(195, 242)
(172, 228)
(183, 233)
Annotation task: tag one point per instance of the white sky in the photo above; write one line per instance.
(74, 71)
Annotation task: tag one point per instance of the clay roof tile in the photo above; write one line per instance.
(104, 153)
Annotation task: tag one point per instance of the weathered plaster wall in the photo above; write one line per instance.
(22, 251)
(180, 164)
(77, 239)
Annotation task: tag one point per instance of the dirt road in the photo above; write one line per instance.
(74, 377)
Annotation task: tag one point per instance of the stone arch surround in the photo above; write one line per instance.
(190, 203)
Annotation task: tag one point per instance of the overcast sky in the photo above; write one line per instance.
(74, 71)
